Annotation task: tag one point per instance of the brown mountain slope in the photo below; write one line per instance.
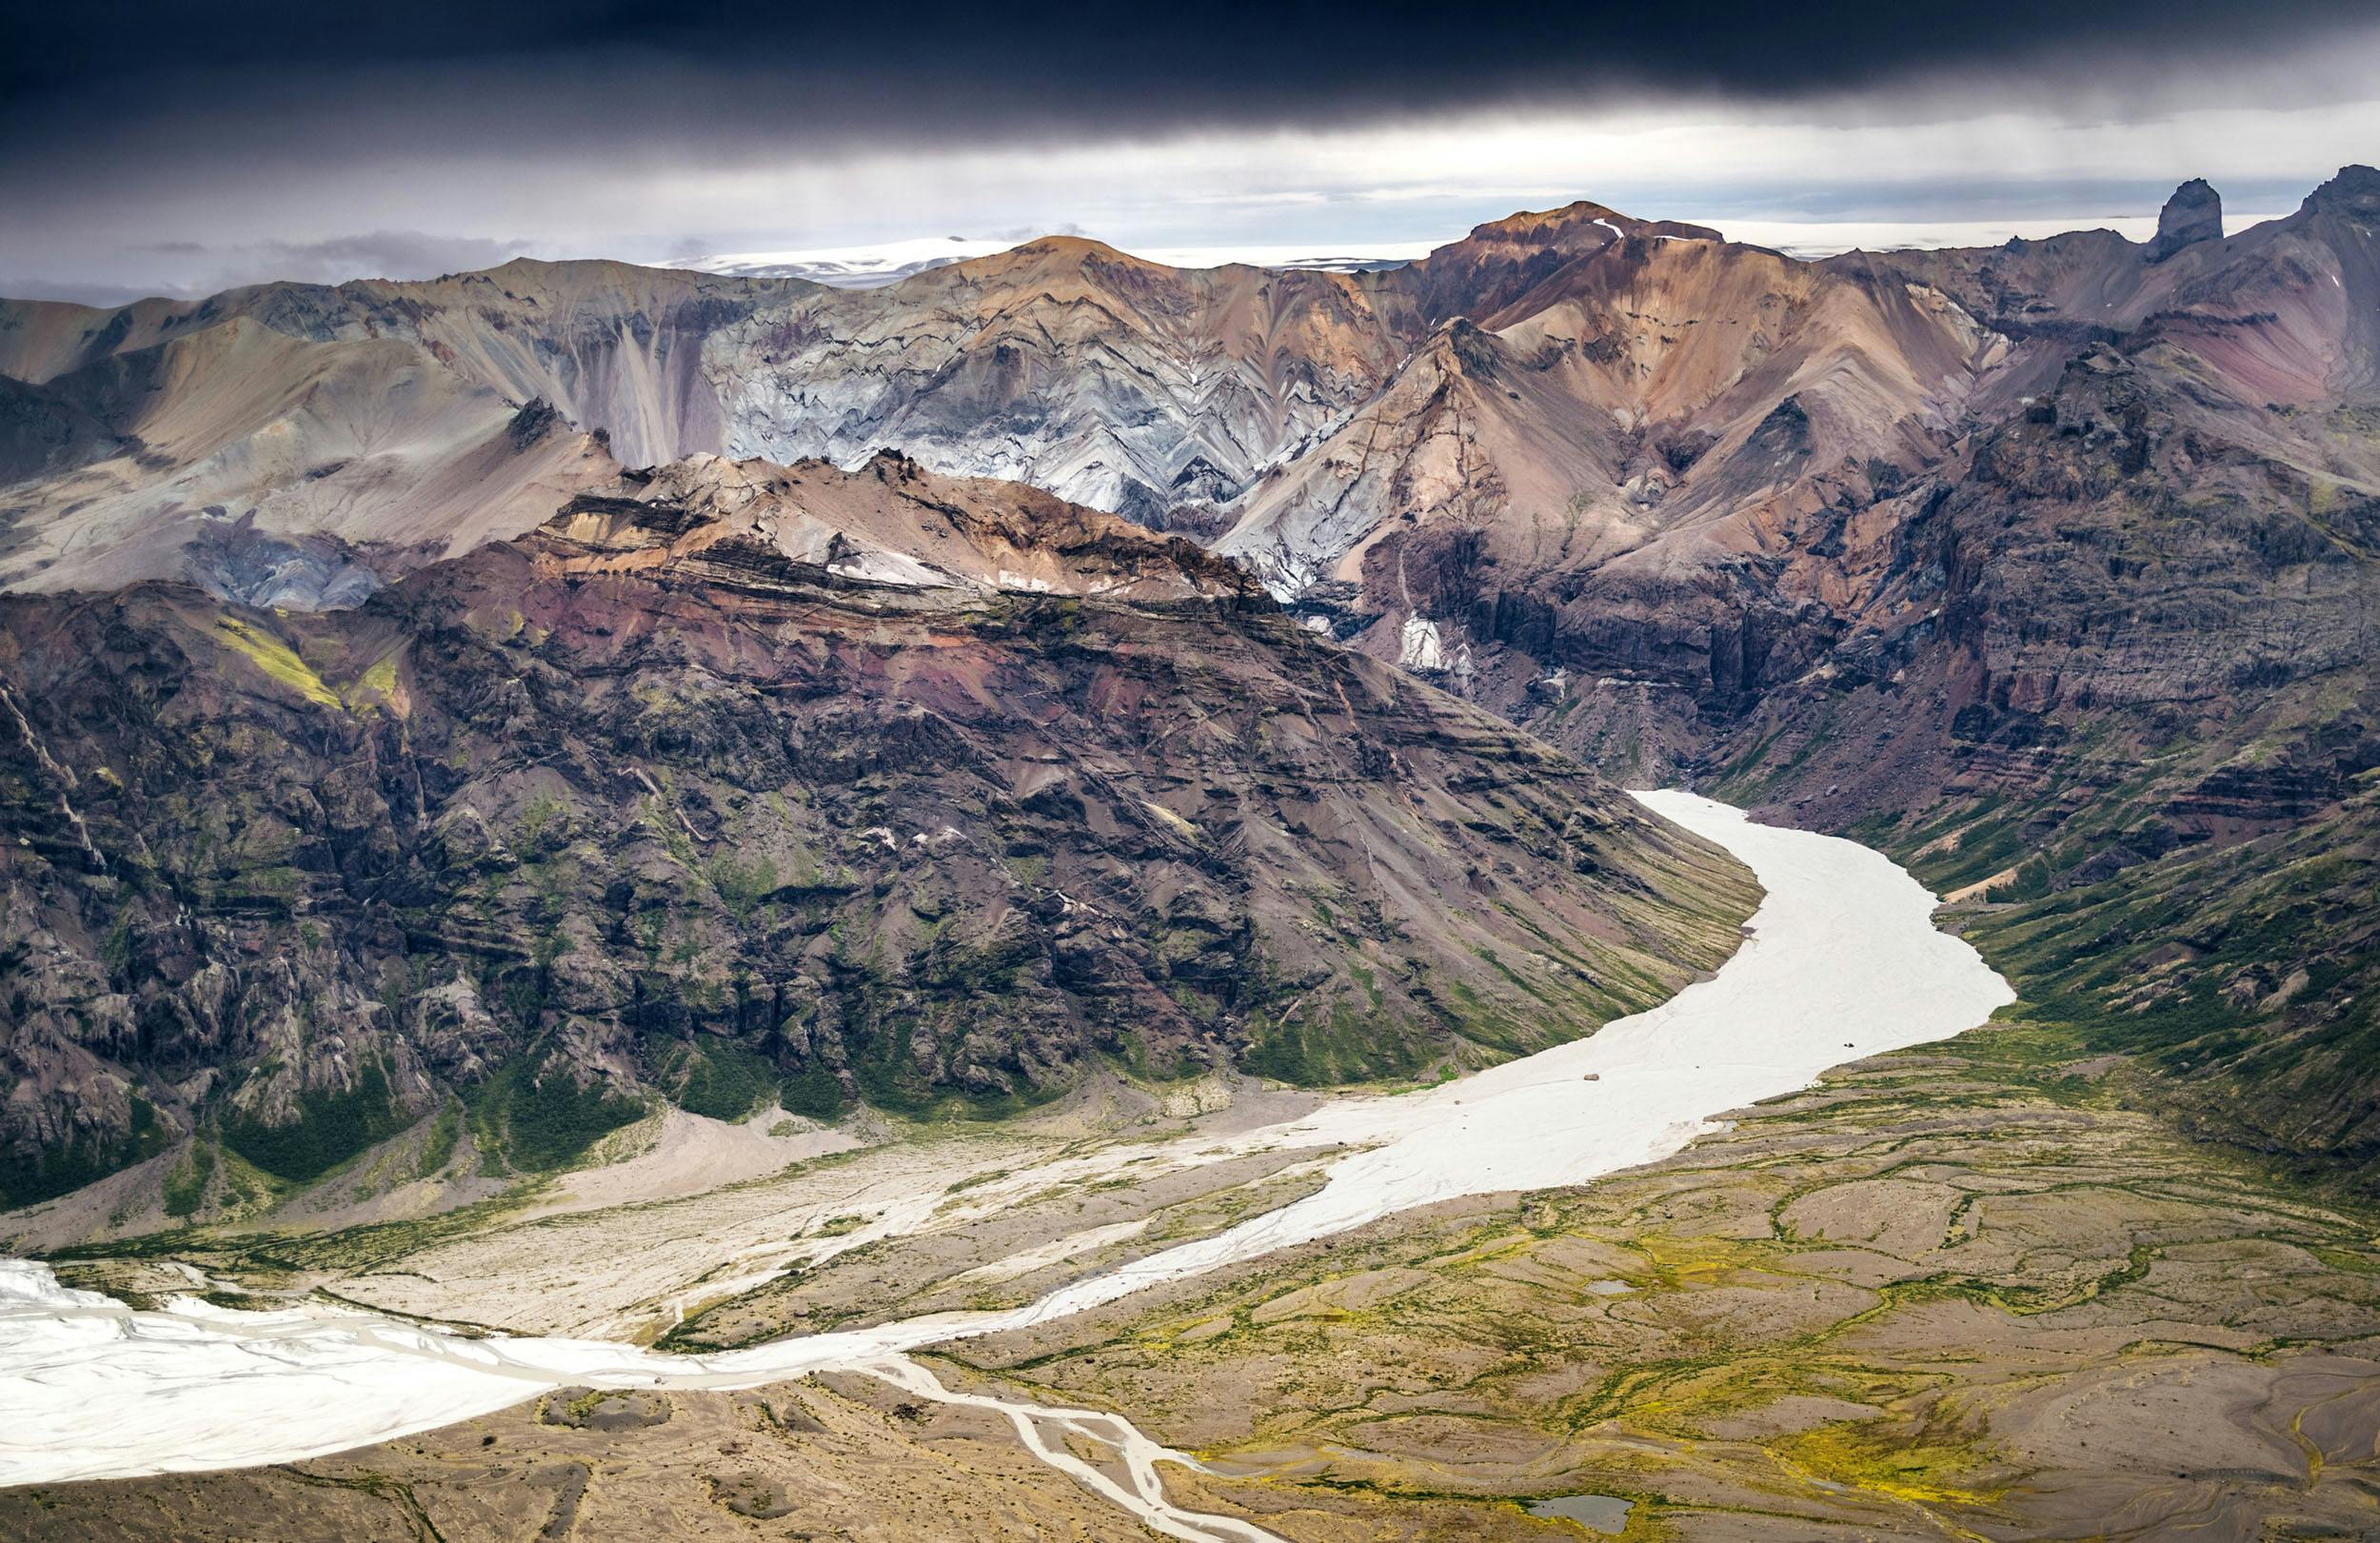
(302, 445)
(1641, 427)
(2276, 312)
(1659, 487)
(1096, 375)
(228, 449)
(2108, 674)
(615, 347)
(2178, 528)
(1160, 392)
(1497, 263)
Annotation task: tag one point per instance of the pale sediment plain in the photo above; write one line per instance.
(1840, 961)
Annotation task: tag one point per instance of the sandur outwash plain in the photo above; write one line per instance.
(638, 901)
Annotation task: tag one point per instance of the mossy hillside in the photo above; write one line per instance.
(803, 847)
(439, 1141)
(540, 1116)
(1833, 1313)
(812, 1092)
(331, 1125)
(276, 658)
(2191, 960)
(2240, 983)
(61, 1165)
(1341, 1044)
(186, 1185)
(720, 1079)
(890, 1078)
(2223, 942)
(1495, 1004)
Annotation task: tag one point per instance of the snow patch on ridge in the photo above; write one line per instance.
(1421, 648)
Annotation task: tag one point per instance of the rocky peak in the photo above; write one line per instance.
(1581, 227)
(2194, 215)
(1500, 261)
(1046, 255)
(2354, 193)
(536, 419)
(1579, 224)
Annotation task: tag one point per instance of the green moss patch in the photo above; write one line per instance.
(543, 1117)
(331, 1127)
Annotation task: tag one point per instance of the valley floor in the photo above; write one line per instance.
(1949, 1292)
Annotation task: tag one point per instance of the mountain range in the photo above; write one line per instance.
(2048, 566)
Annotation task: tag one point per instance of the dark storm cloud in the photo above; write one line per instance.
(176, 147)
(1159, 58)
(1122, 69)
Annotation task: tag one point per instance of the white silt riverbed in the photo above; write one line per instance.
(1841, 961)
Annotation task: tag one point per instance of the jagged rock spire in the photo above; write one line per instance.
(2194, 215)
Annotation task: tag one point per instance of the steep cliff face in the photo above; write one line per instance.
(761, 781)
(2110, 677)
(2108, 584)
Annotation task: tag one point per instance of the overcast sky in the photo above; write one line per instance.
(175, 148)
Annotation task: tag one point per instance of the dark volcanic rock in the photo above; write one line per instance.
(2354, 193)
(43, 434)
(536, 419)
(2195, 213)
(642, 804)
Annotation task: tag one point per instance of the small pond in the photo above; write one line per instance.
(1605, 1513)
